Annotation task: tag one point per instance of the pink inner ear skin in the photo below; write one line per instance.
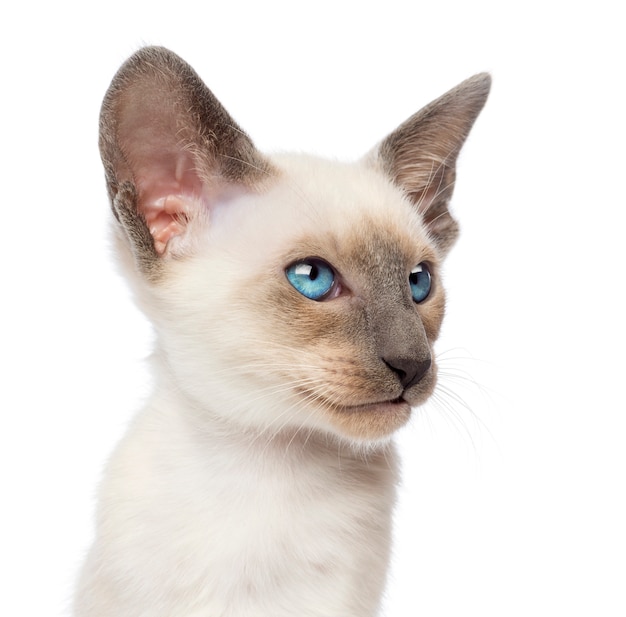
(166, 218)
(168, 185)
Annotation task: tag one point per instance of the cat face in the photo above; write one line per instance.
(288, 293)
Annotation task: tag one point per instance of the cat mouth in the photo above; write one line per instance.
(371, 421)
(395, 405)
(368, 420)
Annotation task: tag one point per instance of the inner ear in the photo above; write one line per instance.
(430, 197)
(166, 219)
(163, 133)
(155, 146)
(170, 194)
(420, 155)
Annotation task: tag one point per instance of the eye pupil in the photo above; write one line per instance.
(420, 281)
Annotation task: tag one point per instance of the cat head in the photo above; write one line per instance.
(287, 292)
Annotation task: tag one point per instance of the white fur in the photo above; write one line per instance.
(220, 523)
(228, 497)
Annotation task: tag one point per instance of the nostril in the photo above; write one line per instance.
(398, 371)
(409, 370)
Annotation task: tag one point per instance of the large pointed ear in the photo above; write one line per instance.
(420, 155)
(171, 153)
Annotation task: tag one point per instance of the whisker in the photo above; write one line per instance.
(449, 412)
(450, 400)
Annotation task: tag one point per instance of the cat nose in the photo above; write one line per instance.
(409, 370)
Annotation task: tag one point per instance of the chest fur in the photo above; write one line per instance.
(221, 522)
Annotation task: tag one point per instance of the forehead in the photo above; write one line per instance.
(350, 213)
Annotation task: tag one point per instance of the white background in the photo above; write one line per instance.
(514, 492)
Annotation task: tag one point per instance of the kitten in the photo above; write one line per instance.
(295, 303)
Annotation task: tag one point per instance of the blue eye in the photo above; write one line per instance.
(312, 277)
(420, 281)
